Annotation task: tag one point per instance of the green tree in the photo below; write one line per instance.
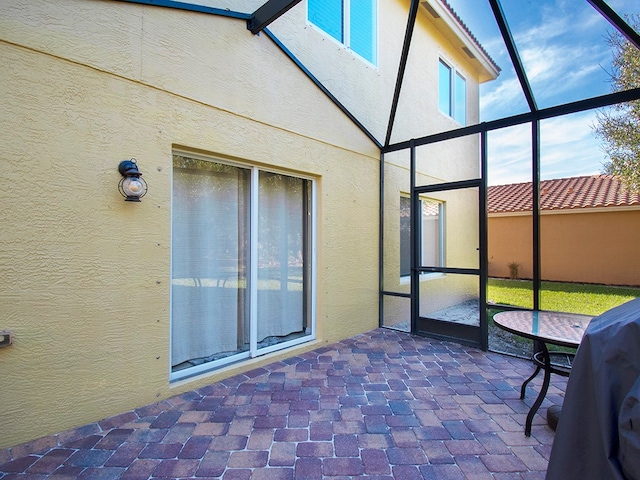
(619, 126)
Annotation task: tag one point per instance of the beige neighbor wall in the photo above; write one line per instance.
(509, 239)
(586, 247)
(85, 276)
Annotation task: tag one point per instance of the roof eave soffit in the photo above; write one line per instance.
(448, 25)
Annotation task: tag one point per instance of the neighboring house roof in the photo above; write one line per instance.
(596, 191)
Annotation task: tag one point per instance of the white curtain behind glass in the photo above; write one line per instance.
(281, 232)
(209, 245)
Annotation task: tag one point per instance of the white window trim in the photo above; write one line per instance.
(253, 352)
(452, 91)
(346, 33)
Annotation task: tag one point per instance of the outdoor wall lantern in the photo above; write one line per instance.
(132, 186)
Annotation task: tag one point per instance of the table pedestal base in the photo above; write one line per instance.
(542, 360)
(564, 330)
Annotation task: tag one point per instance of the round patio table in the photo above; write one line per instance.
(546, 328)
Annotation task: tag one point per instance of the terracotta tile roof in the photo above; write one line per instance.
(596, 191)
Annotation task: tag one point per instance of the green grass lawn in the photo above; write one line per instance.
(586, 299)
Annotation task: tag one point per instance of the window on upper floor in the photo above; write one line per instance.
(452, 93)
(351, 22)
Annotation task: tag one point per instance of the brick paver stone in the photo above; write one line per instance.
(383, 405)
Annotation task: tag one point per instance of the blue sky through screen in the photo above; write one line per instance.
(562, 44)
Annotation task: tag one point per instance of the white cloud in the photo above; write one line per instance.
(508, 92)
(563, 49)
(566, 58)
(562, 46)
(509, 151)
(568, 148)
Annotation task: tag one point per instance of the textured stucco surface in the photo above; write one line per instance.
(85, 284)
(335, 66)
(88, 83)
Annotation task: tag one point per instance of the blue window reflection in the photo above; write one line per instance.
(362, 29)
(452, 93)
(444, 90)
(460, 113)
(327, 15)
(351, 22)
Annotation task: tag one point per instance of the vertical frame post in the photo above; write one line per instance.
(381, 245)
(535, 184)
(415, 243)
(483, 242)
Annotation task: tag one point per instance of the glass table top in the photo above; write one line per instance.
(564, 329)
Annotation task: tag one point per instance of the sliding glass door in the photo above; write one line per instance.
(241, 263)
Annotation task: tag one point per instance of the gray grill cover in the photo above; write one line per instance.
(598, 435)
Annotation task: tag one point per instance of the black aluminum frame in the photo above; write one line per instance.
(269, 12)
(272, 9)
(476, 336)
(534, 116)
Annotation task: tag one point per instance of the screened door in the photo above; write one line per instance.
(433, 238)
(447, 296)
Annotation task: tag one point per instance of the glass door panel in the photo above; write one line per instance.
(242, 263)
(454, 298)
(450, 308)
(209, 258)
(282, 306)
(448, 254)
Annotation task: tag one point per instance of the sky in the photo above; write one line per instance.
(562, 44)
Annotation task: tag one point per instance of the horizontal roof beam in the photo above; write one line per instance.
(551, 112)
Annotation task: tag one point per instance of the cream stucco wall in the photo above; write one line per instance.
(335, 65)
(85, 284)
(88, 83)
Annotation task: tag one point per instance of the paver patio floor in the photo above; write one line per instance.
(380, 405)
